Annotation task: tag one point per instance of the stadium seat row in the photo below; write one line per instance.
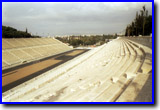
(100, 77)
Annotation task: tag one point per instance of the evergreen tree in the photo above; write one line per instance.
(142, 24)
(26, 30)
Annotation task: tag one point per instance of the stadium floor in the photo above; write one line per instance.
(14, 76)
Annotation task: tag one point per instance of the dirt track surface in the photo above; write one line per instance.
(17, 75)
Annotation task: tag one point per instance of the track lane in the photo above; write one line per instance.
(20, 74)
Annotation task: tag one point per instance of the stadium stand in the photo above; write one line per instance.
(113, 72)
(16, 51)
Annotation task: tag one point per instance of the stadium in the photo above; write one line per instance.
(47, 70)
(77, 52)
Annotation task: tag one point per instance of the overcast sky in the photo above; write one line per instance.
(71, 18)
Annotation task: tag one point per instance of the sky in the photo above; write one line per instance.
(59, 19)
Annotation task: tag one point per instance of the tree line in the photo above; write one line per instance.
(86, 40)
(9, 32)
(142, 24)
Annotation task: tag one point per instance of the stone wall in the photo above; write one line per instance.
(144, 40)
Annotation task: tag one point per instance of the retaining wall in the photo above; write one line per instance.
(144, 40)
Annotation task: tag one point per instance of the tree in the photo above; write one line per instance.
(9, 32)
(142, 24)
(26, 30)
(144, 14)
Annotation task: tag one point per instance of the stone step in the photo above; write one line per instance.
(112, 92)
(94, 92)
(131, 49)
(131, 92)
